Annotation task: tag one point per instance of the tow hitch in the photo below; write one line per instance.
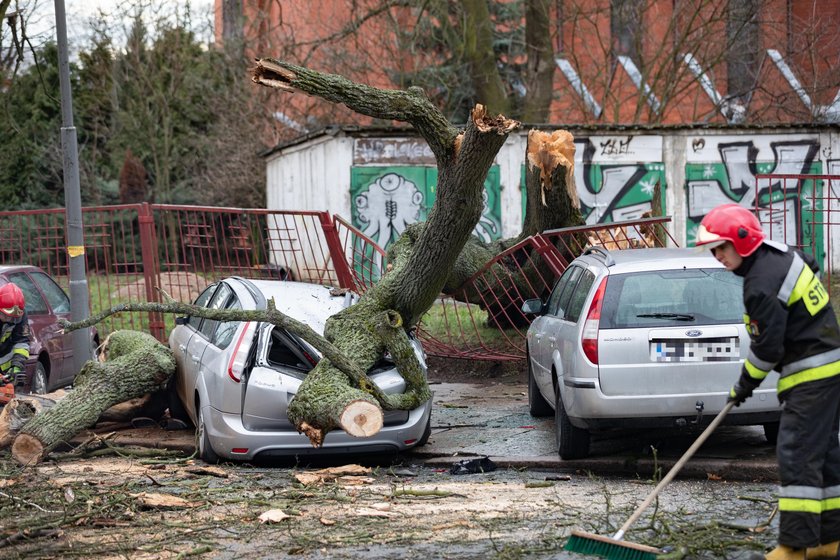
(698, 406)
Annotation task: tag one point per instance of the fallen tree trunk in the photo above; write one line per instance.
(137, 364)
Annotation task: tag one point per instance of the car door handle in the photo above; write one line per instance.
(194, 358)
(538, 336)
(182, 347)
(552, 339)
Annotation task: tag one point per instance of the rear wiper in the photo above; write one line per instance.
(674, 316)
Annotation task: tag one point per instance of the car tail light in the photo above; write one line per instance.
(309, 358)
(239, 450)
(239, 359)
(589, 337)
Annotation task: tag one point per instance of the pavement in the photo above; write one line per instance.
(491, 419)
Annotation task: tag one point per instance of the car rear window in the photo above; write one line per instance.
(677, 297)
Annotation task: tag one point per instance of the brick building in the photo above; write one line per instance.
(616, 61)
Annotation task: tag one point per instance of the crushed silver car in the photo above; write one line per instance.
(640, 338)
(235, 379)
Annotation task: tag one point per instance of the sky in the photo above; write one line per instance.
(41, 23)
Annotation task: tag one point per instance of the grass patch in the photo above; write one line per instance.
(466, 326)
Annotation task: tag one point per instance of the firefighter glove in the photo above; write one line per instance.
(739, 393)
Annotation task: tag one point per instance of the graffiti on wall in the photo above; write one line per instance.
(384, 200)
(724, 169)
(615, 176)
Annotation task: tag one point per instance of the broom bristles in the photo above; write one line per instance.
(611, 549)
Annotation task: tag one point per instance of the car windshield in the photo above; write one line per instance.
(672, 298)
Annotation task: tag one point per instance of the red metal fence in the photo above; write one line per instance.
(801, 211)
(134, 252)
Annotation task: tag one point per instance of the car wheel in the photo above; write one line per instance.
(39, 380)
(537, 405)
(205, 449)
(427, 433)
(771, 432)
(572, 442)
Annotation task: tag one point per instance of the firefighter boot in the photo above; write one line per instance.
(783, 552)
(828, 550)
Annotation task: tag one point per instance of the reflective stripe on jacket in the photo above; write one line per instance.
(789, 318)
(14, 343)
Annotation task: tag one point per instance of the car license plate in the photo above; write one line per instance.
(726, 349)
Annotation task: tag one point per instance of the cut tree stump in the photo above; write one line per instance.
(136, 364)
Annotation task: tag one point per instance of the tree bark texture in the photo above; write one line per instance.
(479, 52)
(137, 364)
(539, 79)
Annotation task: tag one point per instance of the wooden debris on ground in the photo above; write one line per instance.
(351, 473)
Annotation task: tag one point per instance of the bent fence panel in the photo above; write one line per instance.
(484, 320)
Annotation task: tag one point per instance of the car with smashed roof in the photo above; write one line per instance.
(234, 380)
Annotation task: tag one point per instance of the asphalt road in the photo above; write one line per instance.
(488, 418)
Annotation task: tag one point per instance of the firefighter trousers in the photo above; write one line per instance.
(809, 464)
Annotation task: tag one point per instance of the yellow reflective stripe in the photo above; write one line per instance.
(801, 505)
(746, 319)
(806, 375)
(754, 372)
(810, 290)
(22, 351)
(801, 285)
(830, 504)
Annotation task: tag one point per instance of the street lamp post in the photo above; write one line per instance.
(79, 299)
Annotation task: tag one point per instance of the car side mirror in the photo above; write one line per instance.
(182, 320)
(532, 306)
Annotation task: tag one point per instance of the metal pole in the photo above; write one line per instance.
(79, 299)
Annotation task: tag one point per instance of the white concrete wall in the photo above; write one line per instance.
(315, 175)
(510, 159)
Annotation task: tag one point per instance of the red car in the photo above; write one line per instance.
(50, 364)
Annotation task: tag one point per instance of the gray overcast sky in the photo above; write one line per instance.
(42, 19)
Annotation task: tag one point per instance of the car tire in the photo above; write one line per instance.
(205, 449)
(537, 405)
(40, 380)
(771, 432)
(572, 442)
(427, 433)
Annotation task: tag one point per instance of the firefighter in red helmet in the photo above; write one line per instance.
(14, 335)
(792, 330)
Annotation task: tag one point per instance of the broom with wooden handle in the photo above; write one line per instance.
(617, 549)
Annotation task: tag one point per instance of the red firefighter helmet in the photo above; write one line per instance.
(12, 302)
(730, 222)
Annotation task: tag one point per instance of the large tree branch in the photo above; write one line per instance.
(269, 315)
(411, 106)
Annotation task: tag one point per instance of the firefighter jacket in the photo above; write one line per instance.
(14, 343)
(791, 323)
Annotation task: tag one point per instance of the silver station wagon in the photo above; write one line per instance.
(235, 380)
(640, 338)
